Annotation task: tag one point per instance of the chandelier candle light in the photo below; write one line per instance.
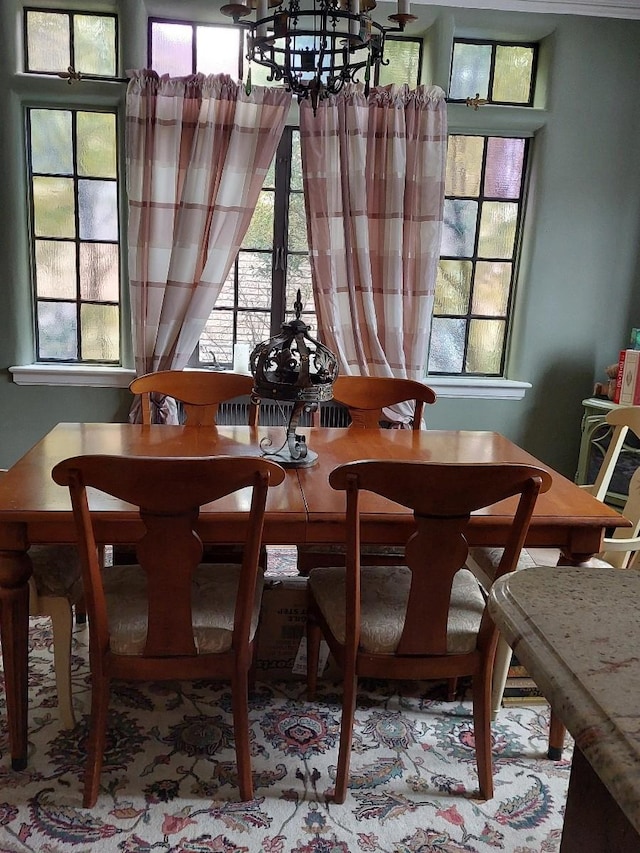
(293, 367)
(316, 46)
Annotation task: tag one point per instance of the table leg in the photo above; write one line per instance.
(593, 821)
(15, 570)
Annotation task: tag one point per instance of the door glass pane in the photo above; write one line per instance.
(297, 223)
(216, 342)
(57, 330)
(299, 278)
(260, 232)
(512, 75)
(53, 207)
(491, 288)
(446, 345)
(51, 142)
(254, 327)
(55, 269)
(497, 229)
(100, 332)
(470, 70)
(296, 163)
(503, 175)
(459, 229)
(453, 287)
(254, 279)
(464, 165)
(99, 272)
(486, 338)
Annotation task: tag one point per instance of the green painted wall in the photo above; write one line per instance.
(580, 275)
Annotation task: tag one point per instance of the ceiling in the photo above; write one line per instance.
(602, 8)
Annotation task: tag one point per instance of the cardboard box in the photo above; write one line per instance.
(281, 652)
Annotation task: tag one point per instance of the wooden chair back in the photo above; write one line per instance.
(366, 396)
(442, 498)
(169, 493)
(622, 420)
(200, 393)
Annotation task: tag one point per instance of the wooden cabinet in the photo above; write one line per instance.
(596, 434)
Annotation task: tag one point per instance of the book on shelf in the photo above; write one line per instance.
(618, 388)
(630, 388)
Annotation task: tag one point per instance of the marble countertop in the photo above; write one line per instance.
(577, 632)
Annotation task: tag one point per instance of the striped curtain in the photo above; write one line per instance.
(197, 149)
(373, 171)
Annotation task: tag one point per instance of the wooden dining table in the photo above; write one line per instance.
(303, 509)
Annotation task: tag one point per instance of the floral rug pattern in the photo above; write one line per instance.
(168, 782)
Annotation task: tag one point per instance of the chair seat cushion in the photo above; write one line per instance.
(56, 571)
(213, 599)
(383, 604)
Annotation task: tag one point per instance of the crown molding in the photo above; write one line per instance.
(606, 9)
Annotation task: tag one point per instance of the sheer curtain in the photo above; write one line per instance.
(374, 170)
(197, 151)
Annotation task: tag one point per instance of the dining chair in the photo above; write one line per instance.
(618, 551)
(169, 616)
(199, 391)
(424, 618)
(366, 397)
(55, 587)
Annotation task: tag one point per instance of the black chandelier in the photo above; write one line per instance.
(316, 46)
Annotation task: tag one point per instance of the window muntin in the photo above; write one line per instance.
(57, 40)
(497, 72)
(476, 273)
(75, 234)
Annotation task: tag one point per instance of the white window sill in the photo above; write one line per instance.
(119, 377)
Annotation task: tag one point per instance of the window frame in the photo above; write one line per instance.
(494, 44)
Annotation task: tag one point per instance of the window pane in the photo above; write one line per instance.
(254, 279)
(297, 223)
(404, 62)
(512, 76)
(458, 234)
(446, 346)
(260, 232)
(51, 142)
(100, 332)
(453, 287)
(99, 272)
(503, 175)
(171, 48)
(96, 145)
(491, 288)
(95, 44)
(55, 269)
(486, 338)
(53, 207)
(296, 163)
(470, 70)
(216, 342)
(464, 165)
(299, 278)
(497, 229)
(254, 327)
(98, 210)
(57, 330)
(48, 42)
(217, 50)
(226, 297)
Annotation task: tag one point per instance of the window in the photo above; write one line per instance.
(474, 287)
(496, 72)
(73, 183)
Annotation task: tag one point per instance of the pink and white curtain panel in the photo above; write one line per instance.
(197, 150)
(374, 171)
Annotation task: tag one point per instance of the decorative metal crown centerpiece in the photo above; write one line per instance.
(293, 367)
(315, 46)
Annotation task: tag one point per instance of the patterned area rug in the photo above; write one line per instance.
(168, 782)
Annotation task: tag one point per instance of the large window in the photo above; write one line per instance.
(73, 183)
